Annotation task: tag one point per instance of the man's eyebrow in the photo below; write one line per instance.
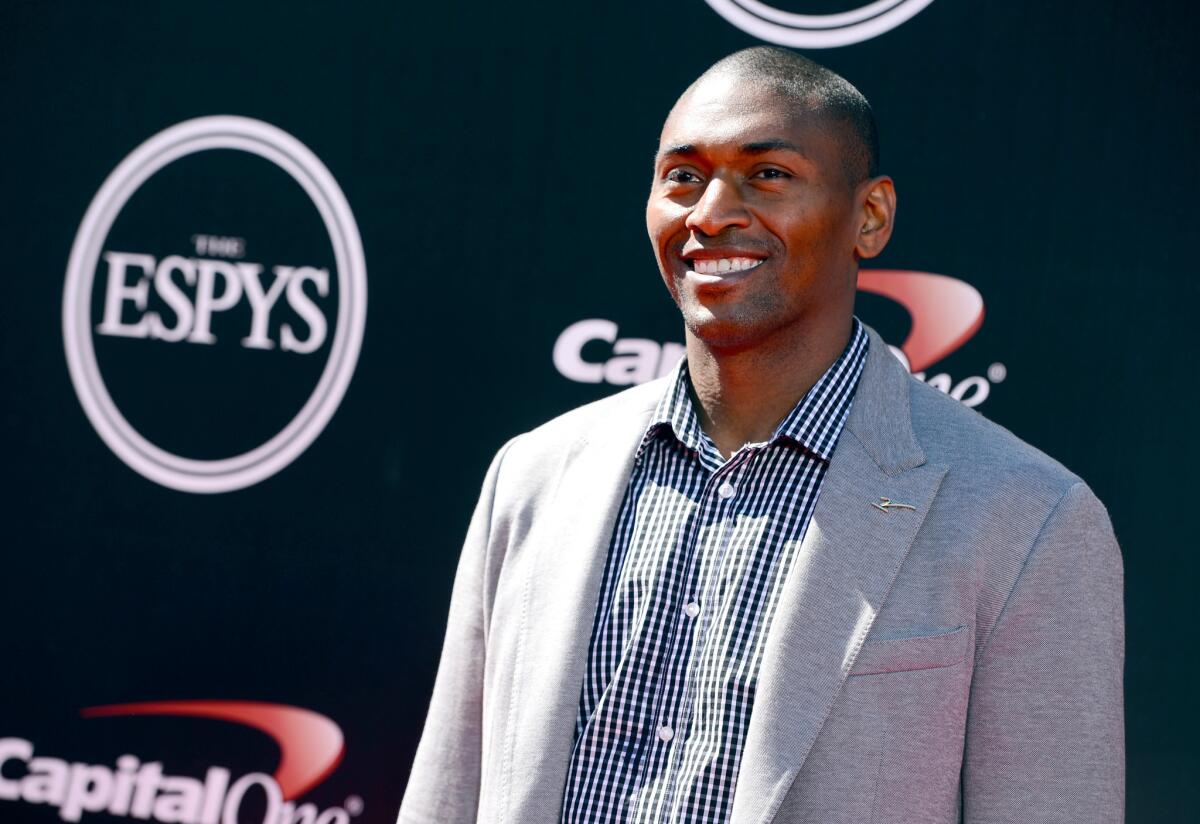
(763, 146)
(675, 151)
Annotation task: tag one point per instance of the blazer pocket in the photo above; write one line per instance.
(943, 649)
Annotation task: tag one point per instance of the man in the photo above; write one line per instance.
(789, 582)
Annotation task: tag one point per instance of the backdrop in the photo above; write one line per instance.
(281, 277)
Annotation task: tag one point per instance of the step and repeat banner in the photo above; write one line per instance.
(281, 278)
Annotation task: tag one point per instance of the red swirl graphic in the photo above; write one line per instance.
(945, 312)
(310, 745)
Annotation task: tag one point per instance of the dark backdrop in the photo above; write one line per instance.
(496, 158)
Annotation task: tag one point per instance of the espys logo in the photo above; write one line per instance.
(310, 746)
(217, 287)
(817, 31)
(945, 314)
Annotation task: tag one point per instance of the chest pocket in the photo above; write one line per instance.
(942, 649)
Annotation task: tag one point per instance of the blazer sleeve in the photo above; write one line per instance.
(1045, 738)
(443, 787)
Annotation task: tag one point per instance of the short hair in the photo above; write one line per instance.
(813, 88)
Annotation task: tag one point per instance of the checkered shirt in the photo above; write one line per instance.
(696, 564)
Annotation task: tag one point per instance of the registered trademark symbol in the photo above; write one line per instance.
(997, 372)
(353, 805)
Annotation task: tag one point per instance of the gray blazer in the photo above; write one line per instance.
(957, 663)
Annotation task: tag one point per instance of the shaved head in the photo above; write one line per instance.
(810, 89)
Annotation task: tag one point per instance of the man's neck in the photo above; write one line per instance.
(743, 394)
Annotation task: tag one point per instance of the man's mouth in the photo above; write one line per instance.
(720, 266)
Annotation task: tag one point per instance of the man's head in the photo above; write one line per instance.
(766, 194)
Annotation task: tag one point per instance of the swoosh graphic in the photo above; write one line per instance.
(945, 311)
(310, 745)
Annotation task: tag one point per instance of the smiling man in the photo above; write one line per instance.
(788, 582)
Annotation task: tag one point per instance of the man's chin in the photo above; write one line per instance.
(726, 333)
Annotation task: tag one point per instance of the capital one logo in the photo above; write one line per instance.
(215, 303)
(945, 313)
(817, 31)
(310, 748)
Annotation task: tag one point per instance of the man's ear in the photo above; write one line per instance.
(878, 213)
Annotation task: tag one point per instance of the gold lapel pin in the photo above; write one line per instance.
(886, 504)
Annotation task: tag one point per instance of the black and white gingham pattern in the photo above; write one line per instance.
(696, 564)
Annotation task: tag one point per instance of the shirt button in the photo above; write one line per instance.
(692, 609)
(727, 490)
(666, 733)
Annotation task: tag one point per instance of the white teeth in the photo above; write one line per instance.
(721, 266)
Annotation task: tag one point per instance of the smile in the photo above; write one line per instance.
(719, 266)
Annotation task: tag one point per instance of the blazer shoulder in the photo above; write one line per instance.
(971, 445)
(1001, 499)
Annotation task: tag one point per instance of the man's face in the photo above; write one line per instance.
(751, 215)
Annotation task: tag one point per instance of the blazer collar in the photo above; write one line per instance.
(881, 416)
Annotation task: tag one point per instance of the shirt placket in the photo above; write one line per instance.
(649, 749)
(692, 618)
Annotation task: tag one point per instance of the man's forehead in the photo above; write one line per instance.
(712, 120)
(724, 90)
(729, 108)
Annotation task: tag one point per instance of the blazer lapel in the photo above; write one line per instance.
(571, 551)
(839, 579)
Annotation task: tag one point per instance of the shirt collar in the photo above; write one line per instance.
(814, 423)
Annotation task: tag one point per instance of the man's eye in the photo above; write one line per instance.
(681, 176)
(772, 174)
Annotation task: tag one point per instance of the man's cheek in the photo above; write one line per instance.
(674, 286)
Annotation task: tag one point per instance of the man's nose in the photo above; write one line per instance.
(720, 207)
